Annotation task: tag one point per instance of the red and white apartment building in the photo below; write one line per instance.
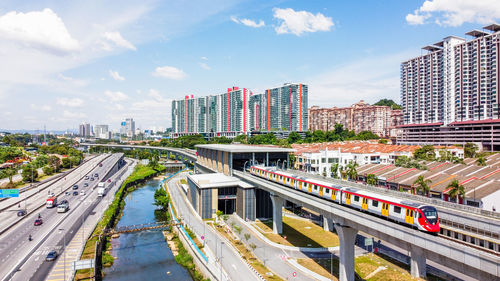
(450, 95)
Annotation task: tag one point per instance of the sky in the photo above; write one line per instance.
(63, 63)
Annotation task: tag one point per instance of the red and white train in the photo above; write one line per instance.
(422, 217)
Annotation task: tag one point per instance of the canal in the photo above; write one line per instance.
(143, 255)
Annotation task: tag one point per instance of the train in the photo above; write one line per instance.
(422, 217)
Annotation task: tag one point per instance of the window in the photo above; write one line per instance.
(397, 209)
(327, 190)
(481, 242)
(464, 237)
(491, 246)
(315, 187)
(375, 203)
(356, 198)
(472, 240)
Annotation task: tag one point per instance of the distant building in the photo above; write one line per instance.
(451, 94)
(85, 130)
(361, 116)
(240, 111)
(127, 128)
(102, 132)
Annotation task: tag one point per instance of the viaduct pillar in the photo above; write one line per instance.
(327, 224)
(347, 237)
(278, 203)
(417, 261)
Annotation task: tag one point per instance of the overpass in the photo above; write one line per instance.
(188, 154)
(347, 222)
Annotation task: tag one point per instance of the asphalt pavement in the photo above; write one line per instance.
(27, 257)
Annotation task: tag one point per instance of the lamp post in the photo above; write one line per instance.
(244, 166)
(64, 250)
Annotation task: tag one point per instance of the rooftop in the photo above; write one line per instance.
(244, 148)
(353, 147)
(216, 180)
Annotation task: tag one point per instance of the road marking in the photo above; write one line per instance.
(234, 266)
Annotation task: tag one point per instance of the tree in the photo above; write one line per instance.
(318, 136)
(29, 173)
(55, 162)
(218, 213)
(421, 184)
(481, 161)
(457, 190)
(470, 150)
(383, 141)
(425, 152)
(241, 138)
(161, 198)
(10, 173)
(335, 170)
(294, 137)
(247, 236)
(352, 173)
(371, 179)
(66, 163)
(48, 170)
(388, 102)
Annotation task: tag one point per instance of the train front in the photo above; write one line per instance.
(428, 219)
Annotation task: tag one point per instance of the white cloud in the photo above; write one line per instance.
(456, 12)
(73, 81)
(248, 22)
(169, 72)
(73, 115)
(205, 66)
(298, 22)
(38, 29)
(116, 96)
(116, 75)
(74, 102)
(155, 103)
(204, 58)
(45, 107)
(117, 39)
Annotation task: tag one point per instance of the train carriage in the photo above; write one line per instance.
(422, 217)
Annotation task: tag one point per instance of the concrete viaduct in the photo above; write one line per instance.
(347, 222)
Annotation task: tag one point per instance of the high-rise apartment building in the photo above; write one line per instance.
(85, 130)
(450, 95)
(102, 132)
(127, 128)
(238, 110)
(361, 116)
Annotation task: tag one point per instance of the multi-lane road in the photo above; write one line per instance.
(22, 259)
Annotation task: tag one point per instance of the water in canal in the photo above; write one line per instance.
(143, 255)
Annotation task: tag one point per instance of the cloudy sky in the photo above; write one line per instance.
(67, 62)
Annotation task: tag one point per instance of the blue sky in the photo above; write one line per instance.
(68, 62)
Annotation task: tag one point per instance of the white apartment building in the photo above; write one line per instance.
(451, 94)
(127, 128)
(102, 132)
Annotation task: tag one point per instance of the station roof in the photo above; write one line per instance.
(216, 180)
(243, 148)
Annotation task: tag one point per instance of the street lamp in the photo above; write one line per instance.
(64, 250)
(244, 166)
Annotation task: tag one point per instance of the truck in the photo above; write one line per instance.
(102, 189)
(51, 202)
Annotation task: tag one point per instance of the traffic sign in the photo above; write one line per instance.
(7, 193)
(82, 264)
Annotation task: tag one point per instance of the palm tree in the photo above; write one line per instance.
(422, 185)
(351, 170)
(10, 173)
(335, 169)
(371, 179)
(481, 161)
(457, 190)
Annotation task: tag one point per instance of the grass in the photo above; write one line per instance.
(300, 233)
(364, 266)
(184, 258)
(183, 181)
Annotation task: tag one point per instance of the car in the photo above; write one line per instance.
(75, 193)
(109, 180)
(52, 255)
(91, 179)
(85, 184)
(86, 177)
(100, 165)
(75, 187)
(67, 193)
(82, 192)
(96, 175)
(21, 213)
(63, 202)
(38, 222)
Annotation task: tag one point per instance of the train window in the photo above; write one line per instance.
(456, 235)
(397, 209)
(491, 246)
(315, 187)
(464, 237)
(327, 190)
(472, 240)
(356, 198)
(375, 203)
(481, 242)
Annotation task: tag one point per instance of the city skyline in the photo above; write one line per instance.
(99, 65)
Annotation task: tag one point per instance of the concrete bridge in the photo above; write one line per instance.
(348, 222)
(180, 153)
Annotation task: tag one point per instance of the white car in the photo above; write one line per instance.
(82, 192)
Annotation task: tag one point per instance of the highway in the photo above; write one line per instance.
(22, 259)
